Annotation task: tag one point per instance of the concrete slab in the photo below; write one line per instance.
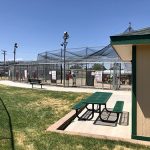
(118, 131)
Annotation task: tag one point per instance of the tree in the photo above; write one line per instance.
(99, 67)
(76, 66)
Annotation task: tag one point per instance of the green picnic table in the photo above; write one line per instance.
(97, 98)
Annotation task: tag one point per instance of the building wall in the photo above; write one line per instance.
(143, 90)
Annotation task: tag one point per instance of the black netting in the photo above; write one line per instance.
(82, 55)
(87, 54)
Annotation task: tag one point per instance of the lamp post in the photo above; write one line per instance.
(64, 44)
(15, 47)
(61, 66)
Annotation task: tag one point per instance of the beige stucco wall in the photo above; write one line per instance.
(143, 90)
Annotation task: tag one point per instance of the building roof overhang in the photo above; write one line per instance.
(123, 43)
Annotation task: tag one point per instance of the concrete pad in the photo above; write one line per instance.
(118, 131)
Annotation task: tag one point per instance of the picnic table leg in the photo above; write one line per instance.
(32, 85)
(41, 86)
(92, 115)
(99, 109)
(117, 117)
(95, 110)
(77, 115)
(106, 108)
(87, 107)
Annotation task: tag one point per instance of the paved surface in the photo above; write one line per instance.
(118, 131)
(58, 88)
(87, 126)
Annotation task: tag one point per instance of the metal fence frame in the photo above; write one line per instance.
(47, 72)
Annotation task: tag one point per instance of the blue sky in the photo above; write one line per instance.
(38, 25)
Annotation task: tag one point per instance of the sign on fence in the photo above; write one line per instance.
(98, 76)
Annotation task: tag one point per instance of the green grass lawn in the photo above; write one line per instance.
(32, 111)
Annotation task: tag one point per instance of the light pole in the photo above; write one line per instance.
(64, 44)
(15, 47)
(61, 66)
(4, 53)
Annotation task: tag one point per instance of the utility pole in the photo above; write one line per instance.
(4, 53)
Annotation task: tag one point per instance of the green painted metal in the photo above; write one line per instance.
(140, 41)
(143, 138)
(134, 102)
(95, 98)
(118, 108)
(79, 105)
(98, 98)
(130, 39)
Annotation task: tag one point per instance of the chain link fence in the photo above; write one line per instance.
(114, 76)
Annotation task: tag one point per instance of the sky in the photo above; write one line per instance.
(38, 25)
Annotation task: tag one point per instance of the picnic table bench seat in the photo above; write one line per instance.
(118, 108)
(79, 107)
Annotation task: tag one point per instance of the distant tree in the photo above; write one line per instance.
(98, 67)
(76, 66)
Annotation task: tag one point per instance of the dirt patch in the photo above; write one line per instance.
(21, 139)
(79, 147)
(118, 147)
(59, 106)
(54, 103)
(79, 98)
(105, 148)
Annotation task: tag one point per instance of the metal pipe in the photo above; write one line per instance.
(61, 67)
(64, 61)
(65, 37)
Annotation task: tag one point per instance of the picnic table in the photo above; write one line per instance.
(99, 99)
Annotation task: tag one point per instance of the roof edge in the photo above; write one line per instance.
(130, 39)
